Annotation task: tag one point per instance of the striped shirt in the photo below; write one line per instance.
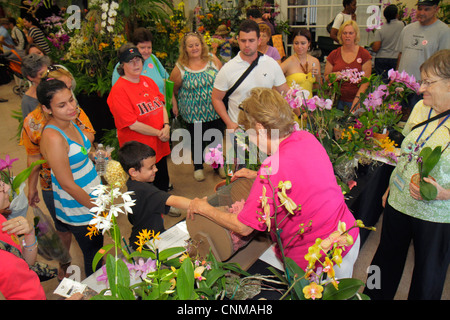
(68, 210)
(39, 39)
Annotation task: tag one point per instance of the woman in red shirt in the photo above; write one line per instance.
(139, 111)
(349, 56)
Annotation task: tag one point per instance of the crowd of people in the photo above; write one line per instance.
(245, 92)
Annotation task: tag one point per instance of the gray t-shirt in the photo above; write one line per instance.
(389, 37)
(417, 43)
(28, 105)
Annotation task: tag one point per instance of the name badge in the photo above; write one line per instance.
(399, 182)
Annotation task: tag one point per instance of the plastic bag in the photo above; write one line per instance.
(19, 205)
(50, 245)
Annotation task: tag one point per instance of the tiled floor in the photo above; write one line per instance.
(184, 184)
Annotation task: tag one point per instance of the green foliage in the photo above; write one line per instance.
(429, 158)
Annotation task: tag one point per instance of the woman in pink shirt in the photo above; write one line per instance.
(295, 156)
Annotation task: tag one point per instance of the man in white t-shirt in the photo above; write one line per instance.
(267, 74)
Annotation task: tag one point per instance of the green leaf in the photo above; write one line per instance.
(347, 289)
(185, 280)
(110, 271)
(430, 160)
(295, 272)
(427, 190)
(167, 253)
(100, 254)
(23, 176)
(125, 293)
(213, 275)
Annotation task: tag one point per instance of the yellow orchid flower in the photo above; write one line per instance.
(338, 238)
(266, 208)
(287, 202)
(328, 268)
(313, 291)
(198, 273)
(313, 254)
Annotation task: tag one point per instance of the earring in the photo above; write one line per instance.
(50, 113)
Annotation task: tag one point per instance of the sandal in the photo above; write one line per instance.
(44, 271)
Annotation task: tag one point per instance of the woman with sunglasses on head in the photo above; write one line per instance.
(407, 217)
(193, 77)
(139, 110)
(66, 148)
(31, 138)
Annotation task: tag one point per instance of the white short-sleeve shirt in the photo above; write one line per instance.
(266, 74)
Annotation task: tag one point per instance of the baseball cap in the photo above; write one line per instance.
(129, 54)
(428, 2)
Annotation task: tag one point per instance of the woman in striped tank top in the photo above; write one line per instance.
(66, 148)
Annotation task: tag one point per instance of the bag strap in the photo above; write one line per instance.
(243, 76)
(443, 114)
(10, 248)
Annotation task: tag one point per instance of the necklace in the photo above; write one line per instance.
(304, 68)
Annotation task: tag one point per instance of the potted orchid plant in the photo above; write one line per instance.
(318, 280)
(150, 273)
(427, 160)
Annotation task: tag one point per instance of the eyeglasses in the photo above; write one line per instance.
(427, 83)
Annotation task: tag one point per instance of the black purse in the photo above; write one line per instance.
(239, 81)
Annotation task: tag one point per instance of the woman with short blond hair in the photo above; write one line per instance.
(349, 56)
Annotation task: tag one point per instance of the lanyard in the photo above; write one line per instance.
(423, 130)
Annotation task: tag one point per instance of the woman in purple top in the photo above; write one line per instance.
(264, 47)
(295, 156)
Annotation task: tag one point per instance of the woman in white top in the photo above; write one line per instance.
(349, 13)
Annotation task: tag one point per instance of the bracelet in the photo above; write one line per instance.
(31, 245)
(166, 124)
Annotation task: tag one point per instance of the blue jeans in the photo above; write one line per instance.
(88, 246)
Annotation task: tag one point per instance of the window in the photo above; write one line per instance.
(316, 15)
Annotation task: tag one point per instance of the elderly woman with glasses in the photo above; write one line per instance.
(193, 77)
(296, 156)
(407, 216)
(139, 110)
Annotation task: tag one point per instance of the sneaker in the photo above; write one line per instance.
(198, 175)
(221, 172)
(174, 212)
